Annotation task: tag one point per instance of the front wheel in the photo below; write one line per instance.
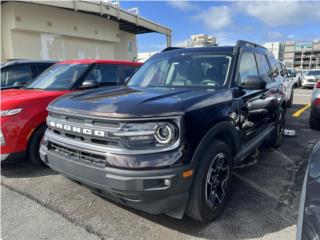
(34, 146)
(211, 186)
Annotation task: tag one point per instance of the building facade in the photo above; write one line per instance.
(59, 30)
(276, 48)
(302, 55)
(201, 40)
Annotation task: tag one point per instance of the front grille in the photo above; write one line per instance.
(77, 155)
(107, 127)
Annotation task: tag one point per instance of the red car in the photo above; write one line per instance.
(23, 111)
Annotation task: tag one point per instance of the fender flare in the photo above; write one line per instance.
(222, 127)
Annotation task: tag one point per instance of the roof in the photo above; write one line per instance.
(24, 61)
(128, 21)
(100, 61)
(200, 49)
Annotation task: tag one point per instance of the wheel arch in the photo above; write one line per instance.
(224, 131)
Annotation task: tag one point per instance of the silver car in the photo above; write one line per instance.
(315, 107)
(310, 78)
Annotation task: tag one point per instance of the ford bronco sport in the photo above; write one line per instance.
(168, 140)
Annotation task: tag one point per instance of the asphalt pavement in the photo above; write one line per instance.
(38, 203)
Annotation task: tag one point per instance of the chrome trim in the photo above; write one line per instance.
(95, 148)
(134, 133)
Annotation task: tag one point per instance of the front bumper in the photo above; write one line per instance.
(153, 191)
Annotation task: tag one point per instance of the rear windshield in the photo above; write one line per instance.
(59, 77)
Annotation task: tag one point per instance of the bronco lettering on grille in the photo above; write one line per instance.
(86, 131)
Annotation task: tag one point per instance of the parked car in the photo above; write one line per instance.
(288, 83)
(23, 111)
(295, 75)
(314, 119)
(167, 142)
(310, 78)
(308, 226)
(15, 74)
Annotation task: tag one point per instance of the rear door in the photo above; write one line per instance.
(273, 87)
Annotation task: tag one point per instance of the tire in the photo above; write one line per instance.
(290, 101)
(276, 137)
(313, 122)
(34, 145)
(200, 206)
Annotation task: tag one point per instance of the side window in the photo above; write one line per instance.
(16, 75)
(104, 74)
(263, 66)
(274, 67)
(248, 66)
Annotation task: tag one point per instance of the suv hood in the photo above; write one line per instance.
(128, 102)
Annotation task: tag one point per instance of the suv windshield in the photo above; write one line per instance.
(59, 77)
(184, 70)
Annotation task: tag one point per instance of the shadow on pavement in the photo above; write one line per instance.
(265, 195)
(20, 168)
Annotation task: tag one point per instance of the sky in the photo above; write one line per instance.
(228, 21)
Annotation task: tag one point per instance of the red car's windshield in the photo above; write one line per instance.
(59, 77)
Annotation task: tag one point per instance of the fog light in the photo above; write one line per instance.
(167, 182)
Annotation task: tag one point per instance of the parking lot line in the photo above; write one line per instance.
(256, 186)
(301, 110)
(302, 95)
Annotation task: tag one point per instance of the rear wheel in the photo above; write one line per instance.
(211, 187)
(34, 146)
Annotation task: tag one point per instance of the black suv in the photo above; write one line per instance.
(167, 142)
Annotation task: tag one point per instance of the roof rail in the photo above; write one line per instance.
(171, 48)
(243, 43)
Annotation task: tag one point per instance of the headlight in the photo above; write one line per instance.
(2, 141)
(10, 112)
(150, 135)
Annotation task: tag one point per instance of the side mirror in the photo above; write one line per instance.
(254, 83)
(88, 84)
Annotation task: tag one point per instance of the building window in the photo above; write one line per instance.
(130, 47)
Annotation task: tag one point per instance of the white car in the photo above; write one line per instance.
(288, 83)
(310, 78)
(295, 76)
